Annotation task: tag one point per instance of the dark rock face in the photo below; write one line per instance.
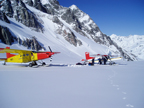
(57, 21)
(3, 17)
(25, 16)
(19, 11)
(55, 4)
(28, 19)
(68, 16)
(30, 2)
(32, 44)
(7, 7)
(6, 36)
(66, 33)
(71, 38)
(51, 8)
(39, 6)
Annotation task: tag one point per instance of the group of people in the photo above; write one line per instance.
(104, 59)
(101, 60)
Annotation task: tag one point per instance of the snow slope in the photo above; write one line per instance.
(61, 86)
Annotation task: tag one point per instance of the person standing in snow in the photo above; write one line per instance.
(105, 59)
(100, 61)
(92, 63)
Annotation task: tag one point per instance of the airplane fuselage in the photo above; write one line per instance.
(27, 57)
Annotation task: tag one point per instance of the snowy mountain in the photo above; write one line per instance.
(132, 43)
(37, 24)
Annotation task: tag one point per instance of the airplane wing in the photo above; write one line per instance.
(3, 59)
(45, 52)
(100, 55)
(5, 50)
(109, 57)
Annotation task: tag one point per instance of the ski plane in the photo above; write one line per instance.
(89, 58)
(25, 56)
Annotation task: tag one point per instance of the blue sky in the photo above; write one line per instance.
(120, 17)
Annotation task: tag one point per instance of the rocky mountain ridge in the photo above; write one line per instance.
(132, 43)
(66, 20)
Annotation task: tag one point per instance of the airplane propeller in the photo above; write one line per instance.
(49, 48)
(51, 52)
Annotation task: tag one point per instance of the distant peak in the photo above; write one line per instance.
(45, 1)
(113, 35)
(49, 1)
(73, 7)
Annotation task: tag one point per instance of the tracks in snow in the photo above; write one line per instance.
(117, 87)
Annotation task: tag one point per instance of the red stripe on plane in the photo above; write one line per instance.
(1, 49)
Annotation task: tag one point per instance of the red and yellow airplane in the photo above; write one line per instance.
(24, 56)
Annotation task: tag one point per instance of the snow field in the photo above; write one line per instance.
(58, 86)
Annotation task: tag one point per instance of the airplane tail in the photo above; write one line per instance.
(87, 56)
(8, 55)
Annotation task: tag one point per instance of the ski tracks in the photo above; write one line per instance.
(117, 87)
